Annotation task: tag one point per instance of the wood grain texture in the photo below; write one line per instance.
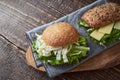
(13, 64)
(19, 16)
(66, 6)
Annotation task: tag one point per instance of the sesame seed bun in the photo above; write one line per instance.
(60, 34)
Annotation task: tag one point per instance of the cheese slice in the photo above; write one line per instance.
(106, 29)
(97, 35)
(117, 25)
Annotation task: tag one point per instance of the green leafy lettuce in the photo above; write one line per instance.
(77, 51)
(107, 39)
(82, 23)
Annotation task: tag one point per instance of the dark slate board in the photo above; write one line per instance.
(73, 19)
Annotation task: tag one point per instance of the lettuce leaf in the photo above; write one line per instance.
(107, 39)
(82, 23)
(77, 52)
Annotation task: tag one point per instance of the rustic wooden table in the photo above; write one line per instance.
(19, 16)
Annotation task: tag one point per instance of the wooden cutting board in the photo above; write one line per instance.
(106, 59)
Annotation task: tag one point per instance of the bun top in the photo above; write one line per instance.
(60, 34)
(102, 15)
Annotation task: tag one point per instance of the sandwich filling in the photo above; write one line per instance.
(105, 35)
(60, 55)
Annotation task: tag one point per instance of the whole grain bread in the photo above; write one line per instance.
(102, 15)
(60, 34)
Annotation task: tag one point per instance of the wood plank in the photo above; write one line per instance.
(117, 1)
(13, 64)
(66, 6)
(16, 19)
(109, 74)
(13, 29)
(11, 11)
(117, 68)
(31, 11)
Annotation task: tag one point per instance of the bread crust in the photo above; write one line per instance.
(60, 34)
(102, 15)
